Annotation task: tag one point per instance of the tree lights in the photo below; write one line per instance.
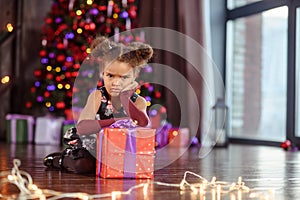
(69, 29)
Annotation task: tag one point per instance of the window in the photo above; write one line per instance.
(258, 77)
(263, 70)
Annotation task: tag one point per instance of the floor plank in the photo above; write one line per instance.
(260, 167)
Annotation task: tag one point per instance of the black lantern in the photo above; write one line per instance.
(220, 112)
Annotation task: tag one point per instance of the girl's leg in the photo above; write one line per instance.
(75, 158)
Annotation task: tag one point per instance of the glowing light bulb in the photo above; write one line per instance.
(88, 50)
(33, 187)
(60, 86)
(10, 177)
(89, 2)
(138, 91)
(49, 68)
(148, 103)
(5, 79)
(67, 86)
(115, 16)
(9, 27)
(175, 133)
(78, 12)
(79, 30)
(57, 69)
(48, 104)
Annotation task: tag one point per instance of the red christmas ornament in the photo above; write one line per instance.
(74, 27)
(76, 66)
(46, 94)
(74, 74)
(37, 72)
(48, 20)
(68, 74)
(62, 27)
(87, 27)
(286, 144)
(157, 94)
(60, 46)
(117, 9)
(32, 89)
(77, 54)
(69, 94)
(92, 26)
(28, 104)
(60, 105)
(132, 13)
(102, 8)
(83, 48)
(43, 53)
(81, 24)
(68, 64)
(108, 20)
(108, 30)
(49, 76)
(60, 58)
(58, 78)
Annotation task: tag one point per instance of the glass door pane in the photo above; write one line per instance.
(256, 75)
(231, 4)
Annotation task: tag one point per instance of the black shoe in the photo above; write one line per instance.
(53, 160)
(72, 139)
(74, 143)
(74, 158)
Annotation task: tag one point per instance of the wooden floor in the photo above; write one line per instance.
(269, 169)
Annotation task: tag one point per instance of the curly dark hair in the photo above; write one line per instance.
(137, 54)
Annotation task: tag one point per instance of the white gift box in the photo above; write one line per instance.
(48, 130)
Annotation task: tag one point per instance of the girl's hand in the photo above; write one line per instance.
(132, 86)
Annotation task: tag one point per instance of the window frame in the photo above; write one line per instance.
(256, 8)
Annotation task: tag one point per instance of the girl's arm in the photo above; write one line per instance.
(135, 110)
(86, 123)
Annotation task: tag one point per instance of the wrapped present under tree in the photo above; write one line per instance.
(49, 130)
(19, 128)
(179, 137)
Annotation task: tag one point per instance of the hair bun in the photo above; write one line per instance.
(143, 51)
(100, 46)
(136, 53)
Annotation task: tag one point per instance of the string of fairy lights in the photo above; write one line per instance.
(5, 79)
(203, 189)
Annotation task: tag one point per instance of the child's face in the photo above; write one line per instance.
(117, 76)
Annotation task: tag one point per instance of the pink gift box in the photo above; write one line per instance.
(125, 153)
(179, 137)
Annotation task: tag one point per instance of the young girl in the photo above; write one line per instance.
(120, 65)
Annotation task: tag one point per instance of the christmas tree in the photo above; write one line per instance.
(69, 29)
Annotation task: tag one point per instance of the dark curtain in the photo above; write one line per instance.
(186, 17)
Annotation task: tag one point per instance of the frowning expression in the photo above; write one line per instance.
(116, 76)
